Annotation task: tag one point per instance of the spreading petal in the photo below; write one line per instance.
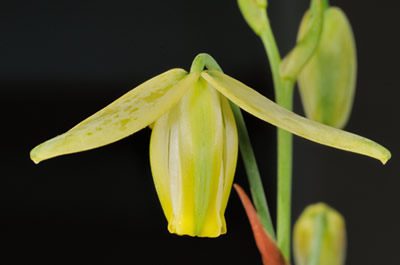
(125, 116)
(265, 109)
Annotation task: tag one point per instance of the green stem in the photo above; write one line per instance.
(316, 243)
(284, 178)
(325, 4)
(204, 60)
(268, 39)
(253, 174)
(284, 97)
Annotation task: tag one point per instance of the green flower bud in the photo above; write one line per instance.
(254, 12)
(320, 236)
(327, 82)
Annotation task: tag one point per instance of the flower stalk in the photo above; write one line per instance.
(253, 174)
(325, 4)
(284, 97)
(284, 77)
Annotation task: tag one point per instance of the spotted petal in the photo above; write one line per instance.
(265, 109)
(128, 114)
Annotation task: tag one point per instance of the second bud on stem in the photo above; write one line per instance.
(320, 236)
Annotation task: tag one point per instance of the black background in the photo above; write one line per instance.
(60, 61)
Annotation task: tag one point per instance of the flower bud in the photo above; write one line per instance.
(319, 236)
(254, 12)
(327, 82)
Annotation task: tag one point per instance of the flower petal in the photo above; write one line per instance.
(125, 116)
(265, 109)
(201, 139)
(231, 147)
(160, 158)
(193, 154)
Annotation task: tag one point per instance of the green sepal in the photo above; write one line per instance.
(298, 57)
(255, 14)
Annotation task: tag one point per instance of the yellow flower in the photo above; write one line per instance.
(194, 142)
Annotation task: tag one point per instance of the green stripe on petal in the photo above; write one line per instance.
(201, 152)
(125, 116)
(193, 153)
(265, 109)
